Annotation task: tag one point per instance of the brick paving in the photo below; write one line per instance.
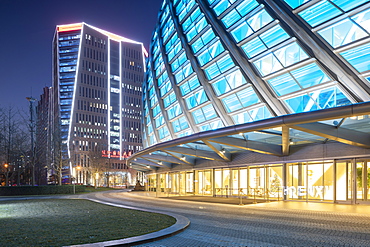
(265, 224)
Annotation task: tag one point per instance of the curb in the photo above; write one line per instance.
(181, 223)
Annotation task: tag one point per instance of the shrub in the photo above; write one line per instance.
(40, 190)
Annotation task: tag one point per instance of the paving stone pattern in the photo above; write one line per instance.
(215, 224)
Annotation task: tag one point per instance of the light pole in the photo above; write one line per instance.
(6, 174)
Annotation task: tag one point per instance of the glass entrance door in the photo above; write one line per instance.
(362, 181)
(343, 177)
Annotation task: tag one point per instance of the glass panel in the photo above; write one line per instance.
(241, 32)
(242, 118)
(248, 97)
(257, 181)
(246, 6)
(209, 112)
(274, 36)
(319, 13)
(225, 63)
(268, 64)
(189, 182)
(293, 189)
(284, 84)
(275, 181)
(221, 7)
(342, 33)
(259, 20)
(301, 103)
(328, 176)
(234, 182)
(232, 103)
(358, 57)
(253, 47)
(330, 97)
(243, 182)
(360, 180)
(207, 182)
(295, 3)
(363, 19)
(315, 181)
(198, 116)
(218, 179)
(226, 181)
(221, 87)
(290, 54)
(232, 17)
(348, 5)
(343, 180)
(310, 75)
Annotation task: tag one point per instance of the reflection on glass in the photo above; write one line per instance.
(342, 178)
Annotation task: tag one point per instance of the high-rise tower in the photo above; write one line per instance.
(97, 78)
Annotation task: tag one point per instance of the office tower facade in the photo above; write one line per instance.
(97, 101)
(43, 160)
(259, 97)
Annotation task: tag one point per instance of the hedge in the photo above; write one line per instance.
(40, 190)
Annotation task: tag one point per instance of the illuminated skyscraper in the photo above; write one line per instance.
(97, 99)
(247, 96)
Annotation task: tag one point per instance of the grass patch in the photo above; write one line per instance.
(72, 221)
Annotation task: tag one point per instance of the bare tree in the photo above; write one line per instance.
(98, 163)
(14, 145)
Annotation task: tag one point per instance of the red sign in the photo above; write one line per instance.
(115, 154)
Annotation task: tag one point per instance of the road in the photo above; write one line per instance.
(265, 224)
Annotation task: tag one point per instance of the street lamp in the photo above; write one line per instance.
(6, 174)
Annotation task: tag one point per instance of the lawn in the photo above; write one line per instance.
(72, 221)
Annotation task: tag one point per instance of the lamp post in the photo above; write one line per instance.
(6, 174)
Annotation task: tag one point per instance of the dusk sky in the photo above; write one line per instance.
(27, 30)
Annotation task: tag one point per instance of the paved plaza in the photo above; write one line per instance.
(263, 224)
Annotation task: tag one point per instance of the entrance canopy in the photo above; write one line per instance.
(275, 136)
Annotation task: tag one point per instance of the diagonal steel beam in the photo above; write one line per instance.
(217, 148)
(168, 158)
(187, 160)
(195, 152)
(259, 147)
(347, 136)
(146, 162)
(143, 167)
(160, 163)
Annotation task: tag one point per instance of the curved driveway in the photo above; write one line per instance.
(270, 224)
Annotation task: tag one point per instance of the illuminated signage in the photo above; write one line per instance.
(312, 191)
(115, 154)
(71, 27)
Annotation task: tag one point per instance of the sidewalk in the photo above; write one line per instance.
(294, 205)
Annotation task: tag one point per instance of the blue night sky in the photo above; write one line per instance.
(27, 29)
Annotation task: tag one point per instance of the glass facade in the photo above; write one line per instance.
(191, 67)
(220, 64)
(320, 181)
(97, 91)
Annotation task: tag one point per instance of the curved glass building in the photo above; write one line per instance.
(259, 98)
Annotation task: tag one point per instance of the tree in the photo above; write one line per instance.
(97, 165)
(15, 145)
